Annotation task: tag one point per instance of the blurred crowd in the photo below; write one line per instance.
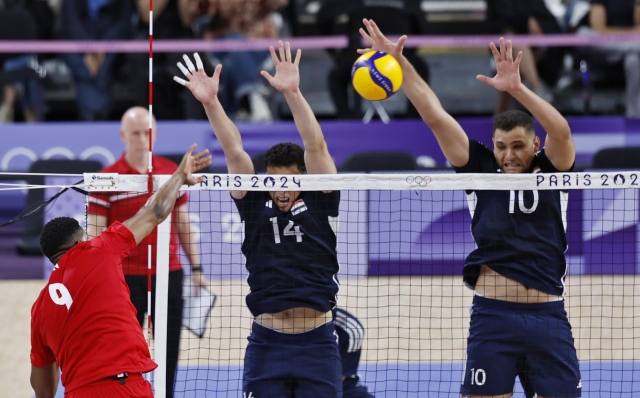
(98, 77)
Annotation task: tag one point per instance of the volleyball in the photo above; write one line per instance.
(376, 75)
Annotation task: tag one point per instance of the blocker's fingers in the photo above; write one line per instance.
(216, 73)
(283, 58)
(494, 51)
(288, 51)
(366, 36)
(298, 55)
(183, 69)
(267, 76)
(482, 78)
(178, 80)
(401, 42)
(199, 65)
(375, 32)
(189, 63)
(274, 57)
(518, 59)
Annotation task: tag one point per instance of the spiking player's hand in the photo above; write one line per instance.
(287, 77)
(192, 163)
(507, 77)
(379, 42)
(203, 87)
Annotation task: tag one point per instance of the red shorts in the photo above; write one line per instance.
(135, 386)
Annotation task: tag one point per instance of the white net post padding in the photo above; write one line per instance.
(162, 300)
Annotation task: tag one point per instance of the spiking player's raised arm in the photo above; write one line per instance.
(83, 320)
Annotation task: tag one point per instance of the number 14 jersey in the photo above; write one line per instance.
(291, 257)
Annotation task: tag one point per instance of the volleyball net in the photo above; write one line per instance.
(402, 242)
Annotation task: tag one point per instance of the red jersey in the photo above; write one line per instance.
(84, 320)
(121, 206)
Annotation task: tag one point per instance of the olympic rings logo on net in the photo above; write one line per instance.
(419, 181)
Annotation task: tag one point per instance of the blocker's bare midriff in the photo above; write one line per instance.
(495, 286)
(294, 320)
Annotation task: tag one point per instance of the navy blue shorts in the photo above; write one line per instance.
(283, 365)
(531, 341)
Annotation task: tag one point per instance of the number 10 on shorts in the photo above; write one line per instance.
(478, 377)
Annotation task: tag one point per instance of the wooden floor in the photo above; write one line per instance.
(426, 319)
(406, 319)
(15, 318)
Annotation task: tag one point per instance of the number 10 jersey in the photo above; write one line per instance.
(519, 234)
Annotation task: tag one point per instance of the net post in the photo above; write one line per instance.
(149, 288)
(150, 182)
(162, 292)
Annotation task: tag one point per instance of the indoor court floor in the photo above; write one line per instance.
(415, 329)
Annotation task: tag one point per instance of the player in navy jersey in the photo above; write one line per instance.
(290, 247)
(518, 323)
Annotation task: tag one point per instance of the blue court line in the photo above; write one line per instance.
(413, 380)
(410, 380)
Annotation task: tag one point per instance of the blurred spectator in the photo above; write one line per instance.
(253, 18)
(540, 67)
(92, 72)
(23, 20)
(172, 19)
(398, 17)
(618, 16)
(209, 19)
(240, 92)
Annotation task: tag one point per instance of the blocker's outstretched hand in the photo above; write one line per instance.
(287, 77)
(379, 42)
(203, 87)
(507, 77)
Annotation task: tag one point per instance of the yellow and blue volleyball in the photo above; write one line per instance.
(376, 75)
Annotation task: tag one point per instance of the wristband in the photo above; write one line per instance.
(196, 268)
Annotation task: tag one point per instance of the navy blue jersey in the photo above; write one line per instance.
(518, 234)
(291, 257)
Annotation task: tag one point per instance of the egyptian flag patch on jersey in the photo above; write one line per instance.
(298, 207)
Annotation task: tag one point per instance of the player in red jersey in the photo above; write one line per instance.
(107, 208)
(83, 320)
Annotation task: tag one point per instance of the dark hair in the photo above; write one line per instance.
(58, 234)
(285, 154)
(509, 120)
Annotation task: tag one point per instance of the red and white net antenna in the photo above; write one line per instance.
(150, 169)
